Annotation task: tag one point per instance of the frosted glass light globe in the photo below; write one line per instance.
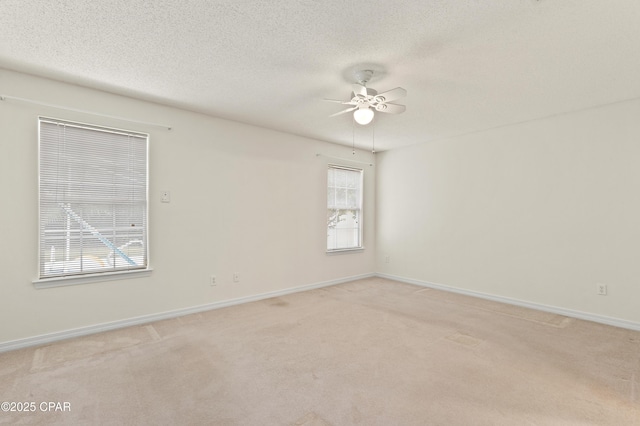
(363, 115)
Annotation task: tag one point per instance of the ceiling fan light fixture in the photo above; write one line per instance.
(363, 116)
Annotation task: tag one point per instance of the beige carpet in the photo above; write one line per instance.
(370, 352)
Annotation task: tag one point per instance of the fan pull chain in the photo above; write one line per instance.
(353, 136)
(373, 138)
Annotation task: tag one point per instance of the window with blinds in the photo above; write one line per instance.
(93, 199)
(344, 208)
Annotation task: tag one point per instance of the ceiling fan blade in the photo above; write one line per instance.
(344, 111)
(391, 95)
(391, 108)
(339, 102)
(359, 89)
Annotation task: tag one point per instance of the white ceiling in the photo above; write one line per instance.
(467, 65)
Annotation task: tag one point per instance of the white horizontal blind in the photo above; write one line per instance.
(344, 208)
(93, 199)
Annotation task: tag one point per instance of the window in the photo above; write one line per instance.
(344, 209)
(93, 199)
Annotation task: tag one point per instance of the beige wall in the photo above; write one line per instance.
(538, 212)
(243, 199)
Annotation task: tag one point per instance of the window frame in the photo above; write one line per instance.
(360, 209)
(100, 274)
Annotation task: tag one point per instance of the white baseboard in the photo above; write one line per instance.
(98, 328)
(616, 322)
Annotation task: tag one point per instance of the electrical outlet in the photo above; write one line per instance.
(236, 277)
(601, 289)
(387, 259)
(212, 281)
(165, 197)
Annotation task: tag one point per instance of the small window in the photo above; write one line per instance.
(93, 199)
(344, 209)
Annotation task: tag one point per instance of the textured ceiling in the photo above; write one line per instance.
(467, 65)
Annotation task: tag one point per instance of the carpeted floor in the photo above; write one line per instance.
(370, 352)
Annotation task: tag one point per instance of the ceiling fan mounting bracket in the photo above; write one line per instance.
(363, 76)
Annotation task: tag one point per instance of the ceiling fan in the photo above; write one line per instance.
(365, 101)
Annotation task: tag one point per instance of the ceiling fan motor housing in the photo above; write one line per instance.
(360, 97)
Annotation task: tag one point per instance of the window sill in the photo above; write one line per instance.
(93, 278)
(345, 251)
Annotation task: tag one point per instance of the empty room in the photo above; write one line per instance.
(320, 213)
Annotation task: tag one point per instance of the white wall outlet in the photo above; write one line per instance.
(387, 259)
(212, 281)
(236, 277)
(165, 196)
(601, 289)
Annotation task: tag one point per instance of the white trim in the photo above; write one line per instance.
(90, 278)
(616, 322)
(98, 328)
(344, 250)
